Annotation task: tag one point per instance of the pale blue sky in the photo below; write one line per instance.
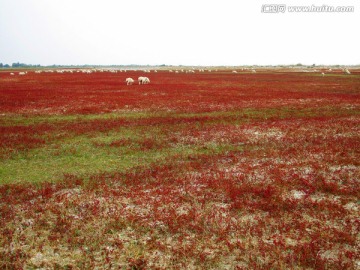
(188, 32)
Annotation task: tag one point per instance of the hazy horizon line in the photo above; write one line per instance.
(170, 65)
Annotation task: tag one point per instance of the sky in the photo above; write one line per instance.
(176, 32)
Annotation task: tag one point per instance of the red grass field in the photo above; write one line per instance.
(212, 170)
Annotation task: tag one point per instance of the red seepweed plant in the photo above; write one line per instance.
(263, 172)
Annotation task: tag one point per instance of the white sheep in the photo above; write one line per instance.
(129, 81)
(12, 74)
(143, 80)
(323, 74)
(234, 71)
(22, 73)
(347, 71)
(147, 80)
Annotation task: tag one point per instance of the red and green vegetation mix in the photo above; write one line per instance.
(193, 171)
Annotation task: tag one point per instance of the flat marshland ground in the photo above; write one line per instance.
(204, 170)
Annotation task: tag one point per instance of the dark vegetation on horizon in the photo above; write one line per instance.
(24, 65)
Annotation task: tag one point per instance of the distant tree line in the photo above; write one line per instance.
(17, 65)
(23, 65)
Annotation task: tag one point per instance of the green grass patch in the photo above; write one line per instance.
(124, 148)
(17, 119)
(83, 156)
(263, 113)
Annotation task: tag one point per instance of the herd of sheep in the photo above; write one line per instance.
(146, 80)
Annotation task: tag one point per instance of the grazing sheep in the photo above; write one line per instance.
(12, 73)
(147, 80)
(143, 80)
(129, 81)
(347, 71)
(22, 73)
(323, 74)
(234, 71)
